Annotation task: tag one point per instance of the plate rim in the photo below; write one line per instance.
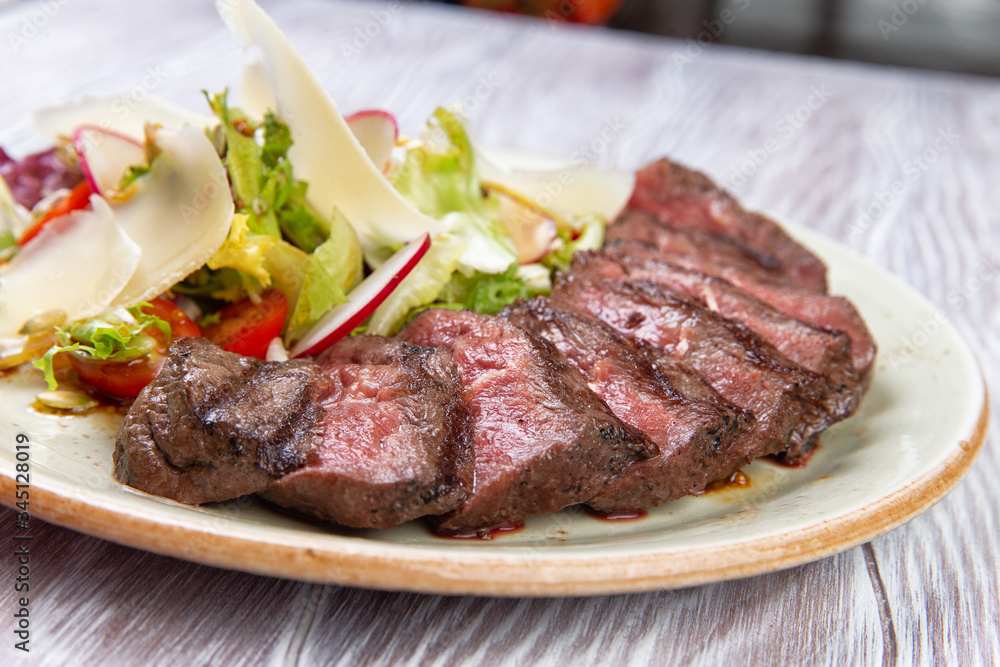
(507, 575)
(369, 564)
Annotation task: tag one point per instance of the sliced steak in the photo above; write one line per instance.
(543, 439)
(691, 423)
(823, 310)
(790, 403)
(635, 225)
(215, 425)
(687, 199)
(823, 351)
(396, 438)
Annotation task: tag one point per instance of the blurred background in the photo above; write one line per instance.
(953, 35)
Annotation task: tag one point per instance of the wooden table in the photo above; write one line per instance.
(808, 140)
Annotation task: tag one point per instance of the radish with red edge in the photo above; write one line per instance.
(105, 157)
(363, 299)
(377, 132)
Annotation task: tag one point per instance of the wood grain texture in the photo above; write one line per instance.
(927, 593)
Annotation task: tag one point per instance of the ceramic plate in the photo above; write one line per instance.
(917, 432)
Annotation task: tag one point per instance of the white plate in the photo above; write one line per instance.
(917, 432)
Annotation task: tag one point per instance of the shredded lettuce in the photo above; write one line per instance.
(261, 175)
(131, 175)
(484, 292)
(244, 252)
(225, 285)
(341, 253)
(7, 239)
(588, 235)
(318, 295)
(440, 179)
(328, 273)
(118, 335)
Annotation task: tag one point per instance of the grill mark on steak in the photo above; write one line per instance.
(215, 425)
(790, 403)
(687, 199)
(820, 350)
(823, 310)
(543, 439)
(691, 423)
(635, 225)
(396, 438)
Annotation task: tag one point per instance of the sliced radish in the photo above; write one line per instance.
(105, 156)
(532, 228)
(363, 299)
(377, 131)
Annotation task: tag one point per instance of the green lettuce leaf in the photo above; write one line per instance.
(323, 274)
(244, 252)
(7, 239)
(118, 335)
(484, 292)
(589, 235)
(440, 179)
(261, 176)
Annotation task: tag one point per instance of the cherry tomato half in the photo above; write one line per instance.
(125, 379)
(247, 328)
(78, 198)
(117, 379)
(181, 326)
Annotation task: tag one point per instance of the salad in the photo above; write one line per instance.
(274, 227)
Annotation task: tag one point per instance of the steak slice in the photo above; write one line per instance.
(823, 351)
(634, 225)
(693, 426)
(790, 403)
(823, 310)
(396, 438)
(215, 425)
(543, 439)
(687, 199)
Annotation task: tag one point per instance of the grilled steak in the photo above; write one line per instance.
(634, 225)
(396, 439)
(215, 425)
(543, 439)
(823, 310)
(820, 350)
(687, 199)
(791, 403)
(691, 423)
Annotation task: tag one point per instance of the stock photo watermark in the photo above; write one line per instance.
(929, 327)
(363, 35)
(486, 86)
(900, 15)
(713, 30)
(913, 170)
(22, 543)
(786, 127)
(33, 25)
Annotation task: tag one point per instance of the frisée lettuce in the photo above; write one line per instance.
(439, 177)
